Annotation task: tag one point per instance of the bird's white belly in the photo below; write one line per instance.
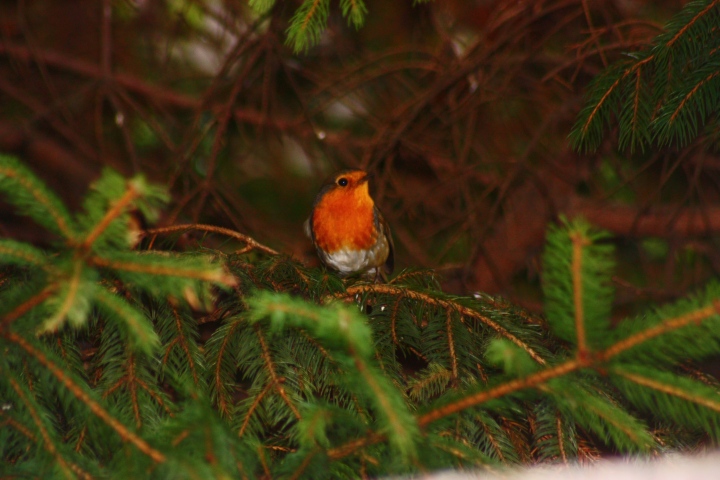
(348, 261)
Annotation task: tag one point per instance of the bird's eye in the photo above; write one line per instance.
(342, 182)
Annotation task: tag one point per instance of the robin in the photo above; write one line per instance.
(347, 229)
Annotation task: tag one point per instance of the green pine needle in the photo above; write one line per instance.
(355, 11)
(261, 7)
(22, 189)
(307, 25)
(594, 411)
(511, 359)
(667, 395)
(18, 253)
(577, 270)
(73, 298)
(133, 322)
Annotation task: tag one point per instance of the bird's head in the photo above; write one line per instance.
(348, 188)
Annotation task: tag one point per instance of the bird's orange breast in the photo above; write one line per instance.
(345, 218)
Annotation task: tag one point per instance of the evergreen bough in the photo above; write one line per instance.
(311, 18)
(119, 360)
(666, 94)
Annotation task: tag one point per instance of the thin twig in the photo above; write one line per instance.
(579, 242)
(213, 229)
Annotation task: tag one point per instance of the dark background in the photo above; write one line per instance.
(461, 109)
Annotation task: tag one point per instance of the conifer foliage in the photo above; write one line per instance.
(665, 94)
(124, 360)
(311, 17)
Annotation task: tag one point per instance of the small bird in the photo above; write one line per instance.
(347, 229)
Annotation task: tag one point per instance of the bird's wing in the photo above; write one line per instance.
(383, 227)
(307, 229)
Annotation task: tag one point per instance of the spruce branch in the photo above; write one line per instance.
(561, 438)
(310, 19)
(596, 359)
(257, 401)
(276, 382)
(187, 276)
(689, 403)
(598, 413)
(343, 330)
(467, 402)
(633, 121)
(578, 243)
(251, 244)
(354, 11)
(106, 221)
(511, 387)
(17, 253)
(664, 93)
(84, 397)
(430, 383)
(700, 10)
(512, 360)
(590, 115)
(690, 96)
(129, 381)
(221, 360)
(402, 428)
(577, 284)
(505, 389)
(444, 304)
(119, 207)
(671, 331)
(309, 457)
(138, 329)
(22, 309)
(164, 265)
(673, 386)
(307, 24)
(181, 349)
(494, 443)
(184, 342)
(261, 6)
(68, 469)
(451, 346)
(23, 190)
(72, 298)
(681, 118)
(18, 426)
(554, 433)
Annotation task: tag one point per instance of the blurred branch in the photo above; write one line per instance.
(139, 86)
(251, 243)
(664, 222)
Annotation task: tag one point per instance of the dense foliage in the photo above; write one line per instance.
(136, 361)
